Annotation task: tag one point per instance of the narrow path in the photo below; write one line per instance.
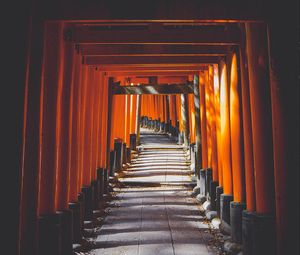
(153, 213)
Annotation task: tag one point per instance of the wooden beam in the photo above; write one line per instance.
(151, 49)
(96, 60)
(208, 35)
(139, 11)
(153, 89)
(151, 73)
(153, 67)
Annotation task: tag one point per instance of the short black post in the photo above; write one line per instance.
(112, 162)
(100, 178)
(118, 148)
(219, 191)
(77, 235)
(81, 200)
(128, 155)
(247, 232)
(105, 181)
(133, 142)
(88, 193)
(236, 210)
(264, 234)
(49, 238)
(208, 179)
(213, 195)
(95, 188)
(124, 158)
(66, 223)
(225, 207)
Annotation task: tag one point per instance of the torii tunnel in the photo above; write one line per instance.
(215, 78)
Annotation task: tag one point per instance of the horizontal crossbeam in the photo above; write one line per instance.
(153, 89)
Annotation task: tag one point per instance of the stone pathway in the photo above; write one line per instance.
(153, 213)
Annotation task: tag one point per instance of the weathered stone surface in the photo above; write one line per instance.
(206, 205)
(232, 248)
(201, 198)
(152, 212)
(211, 215)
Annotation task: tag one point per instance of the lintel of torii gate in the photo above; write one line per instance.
(162, 89)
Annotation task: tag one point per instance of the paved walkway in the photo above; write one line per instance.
(153, 213)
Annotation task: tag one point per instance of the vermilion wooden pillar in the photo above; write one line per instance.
(64, 132)
(260, 103)
(185, 119)
(198, 150)
(218, 123)
(226, 197)
(261, 119)
(247, 130)
(139, 102)
(283, 65)
(31, 140)
(225, 129)
(203, 120)
(237, 150)
(75, 125)
(82, 103)
(214, 153)
(236, 133)
(52, 79)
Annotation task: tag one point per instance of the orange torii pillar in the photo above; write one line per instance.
(197, 147)
(203, 81)
(227, 196)
(237, 149)
(138, 119)
(248, 152)
(213, 184)
(49, 139)
(29, 204)
(185, 119)
(219, 189)
(285, 120)
(168, 114)
(64, 136)
(263, 223)
(74, 205)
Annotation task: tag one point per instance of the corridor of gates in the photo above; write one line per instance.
(160, 129)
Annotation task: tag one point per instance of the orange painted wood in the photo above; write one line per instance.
(260, 103)
(212, 112)
(236, 133)
(247, 134)
(218, 123)
(29, 177)
(208, 119)
(51, 80)
(203, 119)
(75, 150)
(64, 130)
(225, 130)
(191, 110)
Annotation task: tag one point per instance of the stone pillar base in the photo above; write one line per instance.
(225, 207)
(236, 210)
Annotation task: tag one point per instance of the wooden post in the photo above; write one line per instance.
(31, 141)
(261, 119)
(138, 118)
(185, 119)
(109, 126)
(198, 159)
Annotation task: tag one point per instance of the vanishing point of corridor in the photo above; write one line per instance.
(153, 212)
